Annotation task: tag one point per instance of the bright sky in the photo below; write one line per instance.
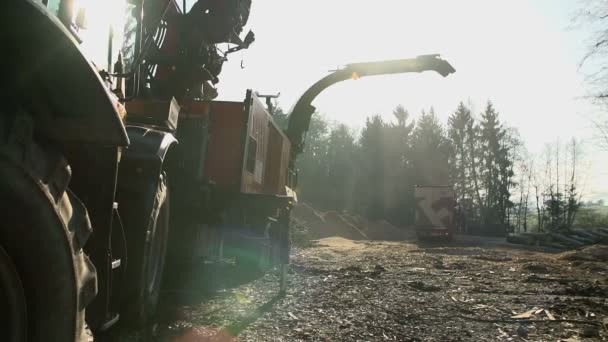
(520, 54)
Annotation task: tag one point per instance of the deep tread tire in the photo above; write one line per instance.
(44, 227)
(13, 315)
(147, 251)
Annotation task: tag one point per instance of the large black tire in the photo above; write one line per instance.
(13, 320)
(43, 228)
(147, 257)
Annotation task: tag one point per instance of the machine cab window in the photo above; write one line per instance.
(99, 26)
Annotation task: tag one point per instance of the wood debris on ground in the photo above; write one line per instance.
(561, 240)
(345, 290)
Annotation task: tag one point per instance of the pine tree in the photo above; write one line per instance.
(399, 183)
(372, 163)
(475, 158)
(280, 117)
(312, 164)
(430, 151)
(461, 141)
(341, 168)
(497, 169)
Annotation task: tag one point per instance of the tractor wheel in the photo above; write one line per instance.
(46, 280)
(13, 322)
(149, 263)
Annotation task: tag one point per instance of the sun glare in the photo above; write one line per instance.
(102, 18)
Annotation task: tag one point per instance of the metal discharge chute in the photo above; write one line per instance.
(299, 118)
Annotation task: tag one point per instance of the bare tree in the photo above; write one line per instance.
(520, 188)
(557, 186)
(539, 208)
(593, 17)
(601, 133)
(529, 178)
(574, 193)
(525, 171)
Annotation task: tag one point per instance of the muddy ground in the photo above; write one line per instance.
(345, 290)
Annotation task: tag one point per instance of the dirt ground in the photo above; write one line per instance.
(472, 289)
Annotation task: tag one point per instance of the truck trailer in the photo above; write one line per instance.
(435, 209)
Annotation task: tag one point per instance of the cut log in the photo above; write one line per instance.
(589, 235)
(579, 238)
(558, 246)
(600, 232)
(566, 240)
(586, 234)
(521, 239)
(553, 245)
(603, 230)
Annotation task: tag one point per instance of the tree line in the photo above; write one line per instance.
(548, 191)
(498, 188)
